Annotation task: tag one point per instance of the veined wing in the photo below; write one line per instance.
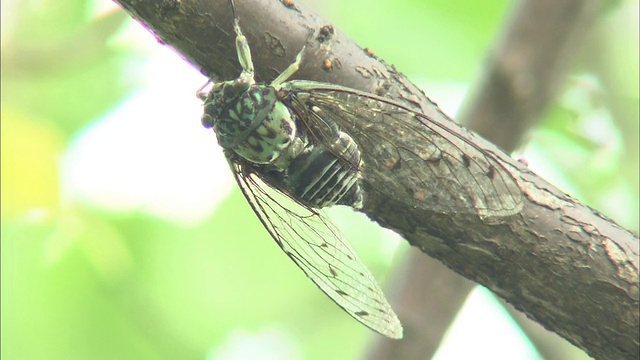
(317, 248)
(447, 173)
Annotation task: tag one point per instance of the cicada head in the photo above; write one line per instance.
(221, 96)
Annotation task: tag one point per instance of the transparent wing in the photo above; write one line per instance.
(447, 171)
(317, 248)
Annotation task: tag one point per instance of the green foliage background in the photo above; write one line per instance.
(83, 281)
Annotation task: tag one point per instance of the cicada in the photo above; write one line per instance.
(296, 147)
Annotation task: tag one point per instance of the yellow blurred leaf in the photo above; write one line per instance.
(30, 151)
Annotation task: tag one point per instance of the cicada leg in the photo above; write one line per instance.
(291, 69)
(201, 93)
(242, 46)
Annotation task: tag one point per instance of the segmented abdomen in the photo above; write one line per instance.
(321, 177)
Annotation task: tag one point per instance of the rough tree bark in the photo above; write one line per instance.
(560, 262)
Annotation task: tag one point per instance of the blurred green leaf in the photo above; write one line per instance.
(66, 75)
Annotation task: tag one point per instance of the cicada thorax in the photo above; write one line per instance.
(253, 123)
(262, 131)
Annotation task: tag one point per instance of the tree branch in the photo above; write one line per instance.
(521, 76)
(560, 262)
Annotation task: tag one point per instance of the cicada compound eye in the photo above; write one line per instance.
(207, 120)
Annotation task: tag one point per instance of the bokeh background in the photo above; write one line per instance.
(123, 233)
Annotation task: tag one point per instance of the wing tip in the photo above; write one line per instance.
(393, 330)
(397, 334)
(396, 331)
